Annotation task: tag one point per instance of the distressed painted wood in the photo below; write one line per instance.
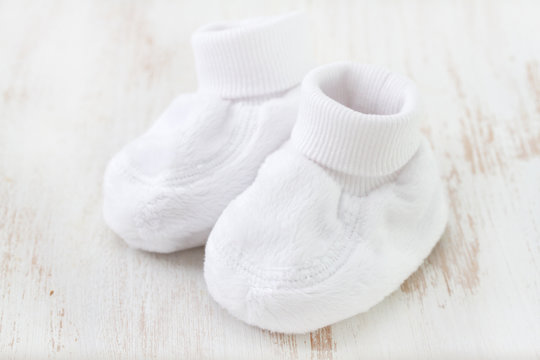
(78, 79)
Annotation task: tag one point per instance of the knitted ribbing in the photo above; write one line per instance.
(358, 120)
(251, 57)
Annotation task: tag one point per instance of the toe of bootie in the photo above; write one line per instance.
(122, 195)
(148, 216)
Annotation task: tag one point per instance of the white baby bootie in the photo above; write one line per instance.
(338, 217)
(164, 191)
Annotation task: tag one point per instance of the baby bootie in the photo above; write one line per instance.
(164, 191)
(339, 216)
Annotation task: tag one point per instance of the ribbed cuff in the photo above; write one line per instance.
(252, 57)
(359, 120)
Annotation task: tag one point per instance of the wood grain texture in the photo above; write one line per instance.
(78, 79)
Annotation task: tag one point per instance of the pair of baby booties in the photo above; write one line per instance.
(317, 200)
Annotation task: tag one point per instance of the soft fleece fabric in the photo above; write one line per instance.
(337, 218)
(165, 190)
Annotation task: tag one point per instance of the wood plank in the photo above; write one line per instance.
(80, 79)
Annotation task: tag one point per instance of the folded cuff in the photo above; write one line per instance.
(252, 57)
(357, 119)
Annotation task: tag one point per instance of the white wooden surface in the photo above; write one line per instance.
(78, 79)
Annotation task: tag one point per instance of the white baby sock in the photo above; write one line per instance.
(338, 217)
(165, 190)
